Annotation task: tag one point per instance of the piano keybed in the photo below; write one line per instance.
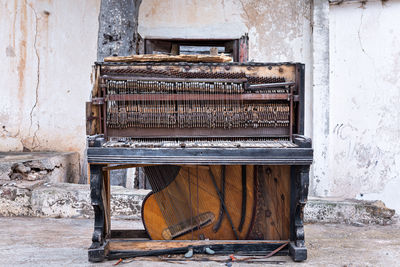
(200, 143)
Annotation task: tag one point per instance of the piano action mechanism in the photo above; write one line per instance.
(222, 147)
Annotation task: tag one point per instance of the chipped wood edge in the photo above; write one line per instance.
(167, 58)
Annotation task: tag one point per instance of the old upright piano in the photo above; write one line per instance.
(222, 147)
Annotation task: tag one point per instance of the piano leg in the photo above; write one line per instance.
(99, 194)
(299, 193)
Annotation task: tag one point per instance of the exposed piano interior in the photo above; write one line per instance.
(221, 144)
(197, 100)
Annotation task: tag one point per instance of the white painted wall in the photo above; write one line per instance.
(47, 50)
(320, 92)
(364, 93)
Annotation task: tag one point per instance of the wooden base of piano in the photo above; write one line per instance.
(122, 247)
(115, 244)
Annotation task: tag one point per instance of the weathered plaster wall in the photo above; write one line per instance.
(47, 48)
(278, 30)
(364, 147)
(191, 19)
(320, 93)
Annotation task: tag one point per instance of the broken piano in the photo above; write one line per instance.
(222, 147)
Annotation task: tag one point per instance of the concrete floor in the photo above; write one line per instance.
(64, 242)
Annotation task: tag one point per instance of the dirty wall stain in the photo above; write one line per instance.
(273, 25)
(22, 51)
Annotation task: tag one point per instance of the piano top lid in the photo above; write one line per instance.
(167, 58)
(246, 64)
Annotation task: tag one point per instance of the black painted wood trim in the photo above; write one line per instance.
(210, 156)
(96, 188)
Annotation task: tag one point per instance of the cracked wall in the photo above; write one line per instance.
(48, 48)
(364, 147)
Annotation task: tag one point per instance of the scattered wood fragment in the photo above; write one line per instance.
(118, 262)
(167, 58)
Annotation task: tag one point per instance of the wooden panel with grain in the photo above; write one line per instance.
(286, 71)
(167, 58)
(159, 245)
(93, 111)
(272, 217)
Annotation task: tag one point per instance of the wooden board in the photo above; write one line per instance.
(286, 71)
(92, 119)
(93, 124)
(106, 194)
(156, 245)
(272, 218)
(167, 58)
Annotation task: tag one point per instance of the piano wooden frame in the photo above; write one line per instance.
(115, 244)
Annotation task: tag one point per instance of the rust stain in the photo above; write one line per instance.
(14, 22)
(44, 28)
(22, 51)
(154, 9)
(11, 35)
